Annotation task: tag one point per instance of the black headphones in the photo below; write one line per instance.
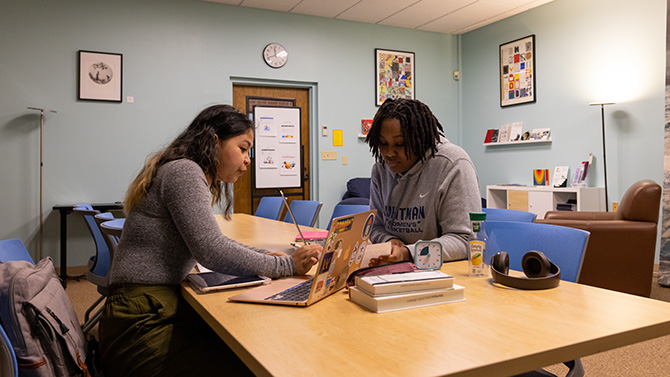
(540, 271)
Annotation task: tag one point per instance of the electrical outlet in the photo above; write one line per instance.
(345, 160)
(329, 155)
(615, 206)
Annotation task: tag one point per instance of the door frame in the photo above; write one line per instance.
(313, 116)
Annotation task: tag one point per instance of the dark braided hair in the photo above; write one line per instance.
(420, 129)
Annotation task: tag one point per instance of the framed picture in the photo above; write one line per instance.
(394, 75)
(100, 76)
(517, 72)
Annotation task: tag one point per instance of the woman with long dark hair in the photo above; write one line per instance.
(147, 328)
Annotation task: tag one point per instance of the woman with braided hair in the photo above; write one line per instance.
(423, 187)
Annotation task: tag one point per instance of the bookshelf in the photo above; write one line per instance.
(521, 142)
(540, 199)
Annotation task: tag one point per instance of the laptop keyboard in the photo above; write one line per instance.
(298, 292)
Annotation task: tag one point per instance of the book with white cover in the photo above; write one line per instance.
(407, 300)
(515, 132)
(404, 282)
(503, 133)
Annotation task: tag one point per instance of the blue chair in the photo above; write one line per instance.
(98, 265)
(305, 212)
(270, 207)
(8, 365)
(502, 214)
(13, 249)
(562, 245)
(347, 209)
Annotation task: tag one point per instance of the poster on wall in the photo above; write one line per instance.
(394, 75)
(517, 72)
(664, 257)
(277, 147)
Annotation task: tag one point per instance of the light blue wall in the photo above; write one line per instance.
(178, 57)
(586, 51)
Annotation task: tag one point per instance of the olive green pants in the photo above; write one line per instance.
(149, 330)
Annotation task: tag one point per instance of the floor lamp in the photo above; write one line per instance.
(602, 117)
(41, 242)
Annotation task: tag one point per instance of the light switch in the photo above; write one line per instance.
(345, 160)
(329, 155)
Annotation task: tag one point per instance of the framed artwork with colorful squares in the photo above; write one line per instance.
(517, 72)
(394, 75)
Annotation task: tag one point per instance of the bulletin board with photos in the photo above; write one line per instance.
(517, 72)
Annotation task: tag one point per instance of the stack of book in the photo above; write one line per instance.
(383, 293)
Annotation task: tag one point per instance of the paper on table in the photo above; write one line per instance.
(374, 251)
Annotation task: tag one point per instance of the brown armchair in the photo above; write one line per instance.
(621, 249)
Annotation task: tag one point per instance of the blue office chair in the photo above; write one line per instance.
(502, 214)
(305, 212)
(347, 209)
(562, 245)
(13, 249)
(8, 365)
(270, 207)
(98, 265)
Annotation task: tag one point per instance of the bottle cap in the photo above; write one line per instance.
(477, 216)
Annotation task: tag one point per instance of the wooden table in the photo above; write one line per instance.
(497, 331)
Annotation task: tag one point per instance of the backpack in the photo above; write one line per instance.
(40, 322)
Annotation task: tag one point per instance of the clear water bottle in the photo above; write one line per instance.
(478, 265)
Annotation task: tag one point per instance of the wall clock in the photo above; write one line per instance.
(275, 55)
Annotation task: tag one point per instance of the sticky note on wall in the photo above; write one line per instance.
(337, 138)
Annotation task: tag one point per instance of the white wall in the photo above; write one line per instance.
(178, 57)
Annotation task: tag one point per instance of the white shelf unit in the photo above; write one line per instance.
(540, 199)
(517, 142)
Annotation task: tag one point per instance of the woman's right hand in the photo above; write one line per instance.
(305, 257)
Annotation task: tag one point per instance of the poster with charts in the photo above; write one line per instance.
(277, 160)
(517, 72)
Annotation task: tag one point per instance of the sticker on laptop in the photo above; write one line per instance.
(368, 226)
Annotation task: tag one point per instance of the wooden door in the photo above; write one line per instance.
(272, 96)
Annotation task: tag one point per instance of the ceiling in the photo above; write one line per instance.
(441, 16)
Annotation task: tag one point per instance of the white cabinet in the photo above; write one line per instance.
(540, 199)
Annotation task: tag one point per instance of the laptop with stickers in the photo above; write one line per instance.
(342, 254)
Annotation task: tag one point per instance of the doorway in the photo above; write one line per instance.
(244, 97)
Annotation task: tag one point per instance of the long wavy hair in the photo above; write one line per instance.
(197, 144)
(420, 129)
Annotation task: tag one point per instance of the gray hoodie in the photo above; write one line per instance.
(430, 201)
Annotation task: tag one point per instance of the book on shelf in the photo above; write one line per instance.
(540, 134)
(515, 131)
(406, 300)
(494, 137)
(503, 133)
(541, 177)
(489, 135)
(404, 282)
(560, 178)
(566, 207)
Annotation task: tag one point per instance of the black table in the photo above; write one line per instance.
(64, 211)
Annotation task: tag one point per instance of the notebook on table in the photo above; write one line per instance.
(342, 254)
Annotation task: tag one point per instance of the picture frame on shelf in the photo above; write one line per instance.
(394, 75)
(100, 76)
(517, 71)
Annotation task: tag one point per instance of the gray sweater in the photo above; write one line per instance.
(431, 201)
(174, 226)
